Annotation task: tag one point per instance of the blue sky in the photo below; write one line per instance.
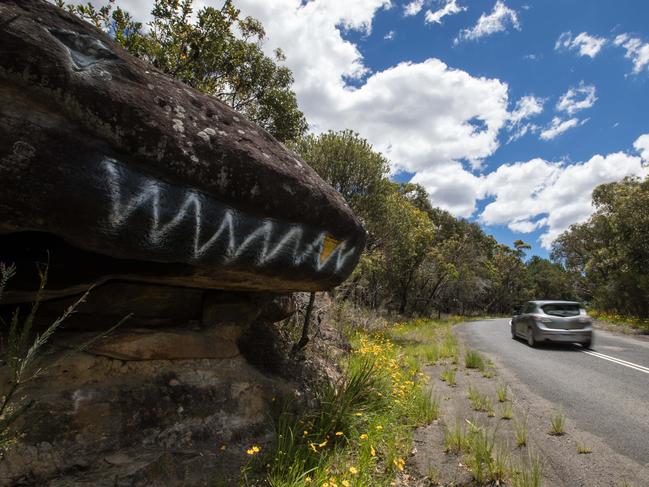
(527, 60)
(509, 112)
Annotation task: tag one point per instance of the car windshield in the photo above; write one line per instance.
(558, 309)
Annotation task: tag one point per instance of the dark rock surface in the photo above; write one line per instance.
(147, 179)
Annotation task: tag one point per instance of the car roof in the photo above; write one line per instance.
(543, 302)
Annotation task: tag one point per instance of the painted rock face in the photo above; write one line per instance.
(121, 172)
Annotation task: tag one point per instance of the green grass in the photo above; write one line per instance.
(506, 411)
(479, 401)
(528, 475)
(520, 432)
(473, 360)
(557, 424)
(448, 376)
(455, 438)
(487, 461)
(501, 392)
(583, 449)
(361, 430)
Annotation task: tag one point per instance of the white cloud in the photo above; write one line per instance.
(586, 44)
(636, 51)
(389, 36)
(451, 187)
(450, 8)
(497, 21)
(642, 146)
(576, 99)
(413, 8)
(541, 194)
(528, 106)
(557, 127)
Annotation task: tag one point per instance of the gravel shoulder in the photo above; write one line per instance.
(562, 464)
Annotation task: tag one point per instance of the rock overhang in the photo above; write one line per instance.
(104, 151)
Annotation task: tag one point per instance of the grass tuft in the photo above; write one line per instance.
(501, 392)
(520, 430)
(530, 474)
(448, 376)
(507, 411)
(557, 424)
(583, 449)
(473, 360)
(479, 401)
(455, 438)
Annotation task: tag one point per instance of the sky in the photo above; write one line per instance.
(509, 112)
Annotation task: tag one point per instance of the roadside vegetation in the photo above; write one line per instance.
(361, 431)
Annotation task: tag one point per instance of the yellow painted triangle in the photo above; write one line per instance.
(328, 246)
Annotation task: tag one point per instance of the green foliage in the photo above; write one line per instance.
(506, 411)
(530, 474)
(501, 392)
(215, 50)
(479, 401)
(473, 360)
(360, 430)
(558, 424)
(488, 462)
(520, 429)
(455, 438)
(349, 164)
(448, 376)
(608, 254)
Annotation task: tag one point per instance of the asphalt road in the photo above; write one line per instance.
(605, 391)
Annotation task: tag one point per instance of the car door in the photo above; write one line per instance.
(525, 319)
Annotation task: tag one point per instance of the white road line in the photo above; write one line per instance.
(618, 361)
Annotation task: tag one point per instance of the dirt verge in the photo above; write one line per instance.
(562, 464)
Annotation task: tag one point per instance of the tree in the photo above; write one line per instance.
(219, 53)
(549, 280)
(348, 163)
(610, 252)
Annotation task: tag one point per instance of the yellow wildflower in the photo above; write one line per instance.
(372, 451)
(353, 470)
(364, 436)
(339, 433)
(323, 444)
(253, 450)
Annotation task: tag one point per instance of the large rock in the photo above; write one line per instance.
(129, 174)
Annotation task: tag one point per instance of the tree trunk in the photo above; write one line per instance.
(304, 339)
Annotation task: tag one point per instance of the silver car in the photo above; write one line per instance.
(552, 321)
